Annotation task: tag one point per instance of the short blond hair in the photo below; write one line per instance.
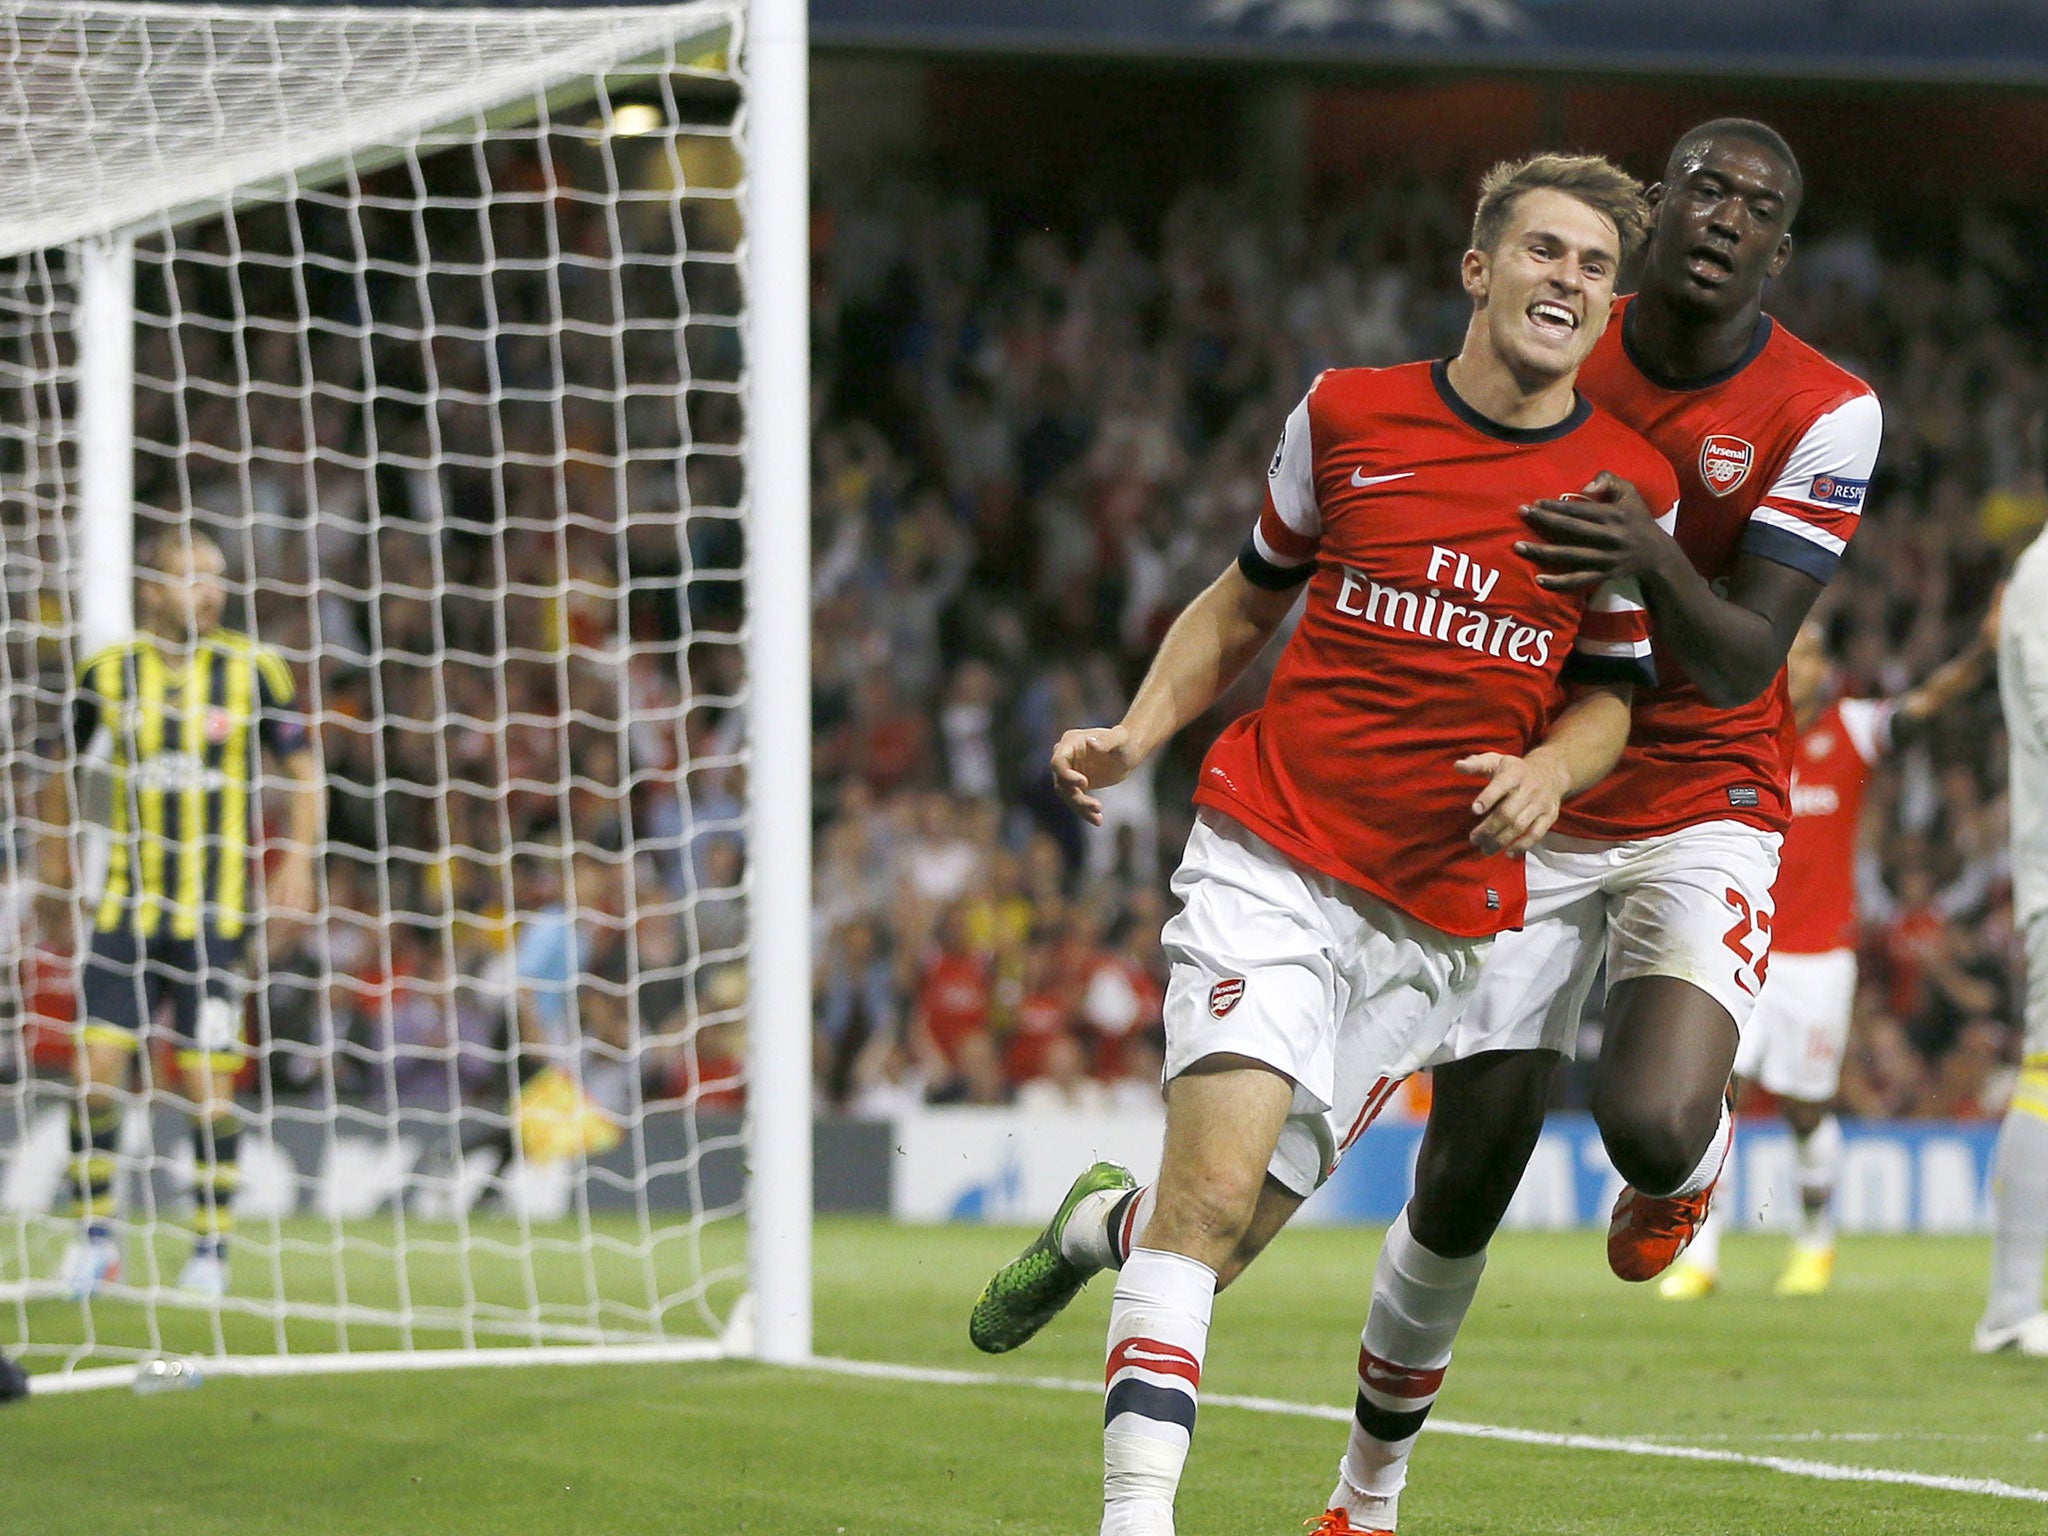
(1594, 180)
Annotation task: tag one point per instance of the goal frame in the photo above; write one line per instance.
(773, 1320)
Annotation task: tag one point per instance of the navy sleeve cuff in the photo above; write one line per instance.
(1635, 672)
(1784, 548)
(1263, 573)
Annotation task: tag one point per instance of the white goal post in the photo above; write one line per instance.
(478, 341)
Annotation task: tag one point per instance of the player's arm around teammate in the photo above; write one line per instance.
(1737, 217)
(1774, 447)
(1732, 646)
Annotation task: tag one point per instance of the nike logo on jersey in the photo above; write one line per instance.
(1361, 479)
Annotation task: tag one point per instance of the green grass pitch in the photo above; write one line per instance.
(1876, 1375)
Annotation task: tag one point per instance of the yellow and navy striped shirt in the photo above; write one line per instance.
(185, 739)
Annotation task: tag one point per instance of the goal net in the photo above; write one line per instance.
(432, 322)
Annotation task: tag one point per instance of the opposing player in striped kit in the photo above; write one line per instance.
(187, 708)
(1794, 1042)
(1353, 856)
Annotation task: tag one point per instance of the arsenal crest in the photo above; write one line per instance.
(1224, 995)
(219, 725)
(1724, 462)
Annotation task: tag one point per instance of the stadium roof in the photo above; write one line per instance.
(1960, 40)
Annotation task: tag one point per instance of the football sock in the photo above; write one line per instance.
(1709, 1166)
(1419, 1301)
(1158, 1331)
(216, 1172)
(1106, 1225)
(2019, 1216)
(95, 1133)
(1820, 1159)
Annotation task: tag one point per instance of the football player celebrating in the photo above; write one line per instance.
(1356, 845)
(1794, 1042)
(1665, 870)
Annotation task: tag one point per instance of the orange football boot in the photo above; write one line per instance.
(1335, 1522)
(1647, 1232)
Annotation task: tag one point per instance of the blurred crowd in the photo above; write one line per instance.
(1034, 442)
(468, 432)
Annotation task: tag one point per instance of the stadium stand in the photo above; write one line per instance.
(1034, 443)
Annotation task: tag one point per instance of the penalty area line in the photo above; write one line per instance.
(1790, 1466)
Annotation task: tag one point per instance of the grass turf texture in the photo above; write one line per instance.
(1877, 1374)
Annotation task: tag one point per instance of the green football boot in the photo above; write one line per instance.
(1032, 1289)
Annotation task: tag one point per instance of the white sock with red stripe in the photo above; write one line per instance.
(1419, 1301)
(1709, 1167)
(1106, 1226)
(1158, 1331)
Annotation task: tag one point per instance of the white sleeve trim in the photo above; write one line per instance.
(1619, 596)
(1829, 467)
(1799, 528)
(1292, 480)
(1868, 725)
(1273, 556)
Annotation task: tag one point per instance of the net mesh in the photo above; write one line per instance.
(437, 337)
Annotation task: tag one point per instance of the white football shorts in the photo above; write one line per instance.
(1794, 1042)
(1695, 904)
(1333, 987)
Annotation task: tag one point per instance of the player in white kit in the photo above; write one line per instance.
(2013, 1315)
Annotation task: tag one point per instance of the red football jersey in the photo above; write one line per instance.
(1773, 457)
(1425, 637)
(954, 996)
(1816, 890)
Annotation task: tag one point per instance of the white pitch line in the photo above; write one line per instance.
(207, 1367)
(1826, 1471)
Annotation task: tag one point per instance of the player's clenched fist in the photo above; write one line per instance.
(1091, 758)
(1519, 803)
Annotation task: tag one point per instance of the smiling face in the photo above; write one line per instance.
(1724, 216)
(1542, 294)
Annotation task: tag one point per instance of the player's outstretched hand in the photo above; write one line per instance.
(1089, 759)
(1605, 535)
(1518, 805)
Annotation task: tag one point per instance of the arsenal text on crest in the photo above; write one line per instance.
(1224, 995)
(1725, 462)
